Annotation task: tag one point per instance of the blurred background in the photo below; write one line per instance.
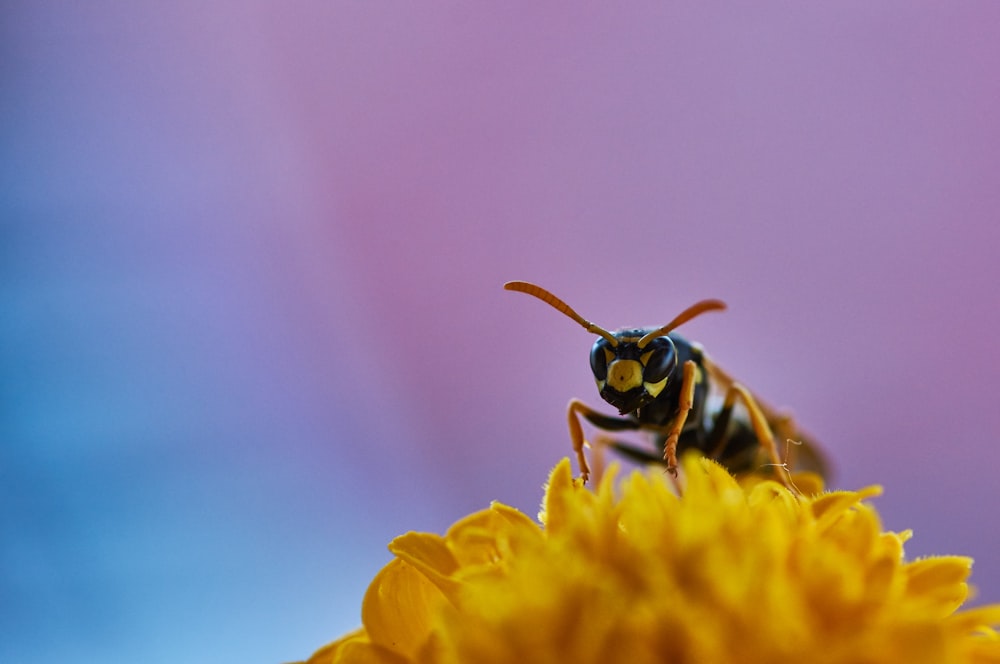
(251, 256)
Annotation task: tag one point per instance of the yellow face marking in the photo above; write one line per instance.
(654, 389)
(609, 355)
(624, 375)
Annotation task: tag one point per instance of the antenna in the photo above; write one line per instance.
(695, 309)
(557, 304)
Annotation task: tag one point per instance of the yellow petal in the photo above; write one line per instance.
(929, 574)
(329, 653)
(430, 555)
(364, 653)
(484, 537)
(354, 648)
(972, 619)
(829, 506)
(940, 581)
(632, 572)
(398, 608)
(560, 497)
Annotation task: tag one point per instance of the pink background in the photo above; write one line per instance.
(252, 253)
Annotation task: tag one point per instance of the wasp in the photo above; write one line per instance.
(662, 383)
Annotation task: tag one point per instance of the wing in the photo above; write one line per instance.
(803, 453)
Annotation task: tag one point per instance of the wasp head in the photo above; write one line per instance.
(631, 376)
(631, 367)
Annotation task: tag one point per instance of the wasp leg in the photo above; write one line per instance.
(780, 421)
(612, 423)
(758, 421)
(575, 410)
(684, 403)
(597, 461)
(626, 449)
(598, 453)
(644, 456)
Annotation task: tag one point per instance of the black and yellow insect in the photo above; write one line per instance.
(661, 382)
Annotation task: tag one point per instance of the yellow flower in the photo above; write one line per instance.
(725, 573)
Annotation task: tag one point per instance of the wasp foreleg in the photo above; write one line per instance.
(673, 430)
(608, 423)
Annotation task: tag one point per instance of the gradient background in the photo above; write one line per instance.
(251, 256)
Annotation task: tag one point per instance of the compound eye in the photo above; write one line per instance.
(599, 359)
(659, 360)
